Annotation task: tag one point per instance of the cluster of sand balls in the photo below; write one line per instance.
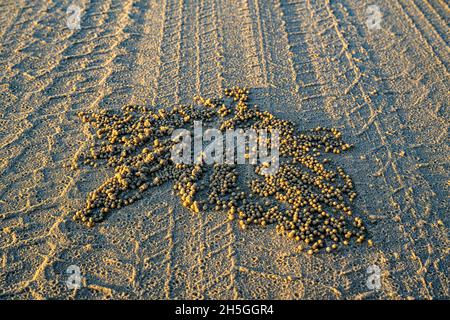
(307, 199)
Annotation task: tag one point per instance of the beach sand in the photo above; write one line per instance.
(317, 63)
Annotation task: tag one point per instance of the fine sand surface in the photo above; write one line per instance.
(313, 62)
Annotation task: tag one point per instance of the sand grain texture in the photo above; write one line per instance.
(313, 62)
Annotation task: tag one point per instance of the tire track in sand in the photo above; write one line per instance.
(167, 86)
(437, 46)
(53, 94)
(420, 197)
(241, 66)
(276, 269)
(388, 143)
(209, 78)
(49, 109)
(194, 273)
